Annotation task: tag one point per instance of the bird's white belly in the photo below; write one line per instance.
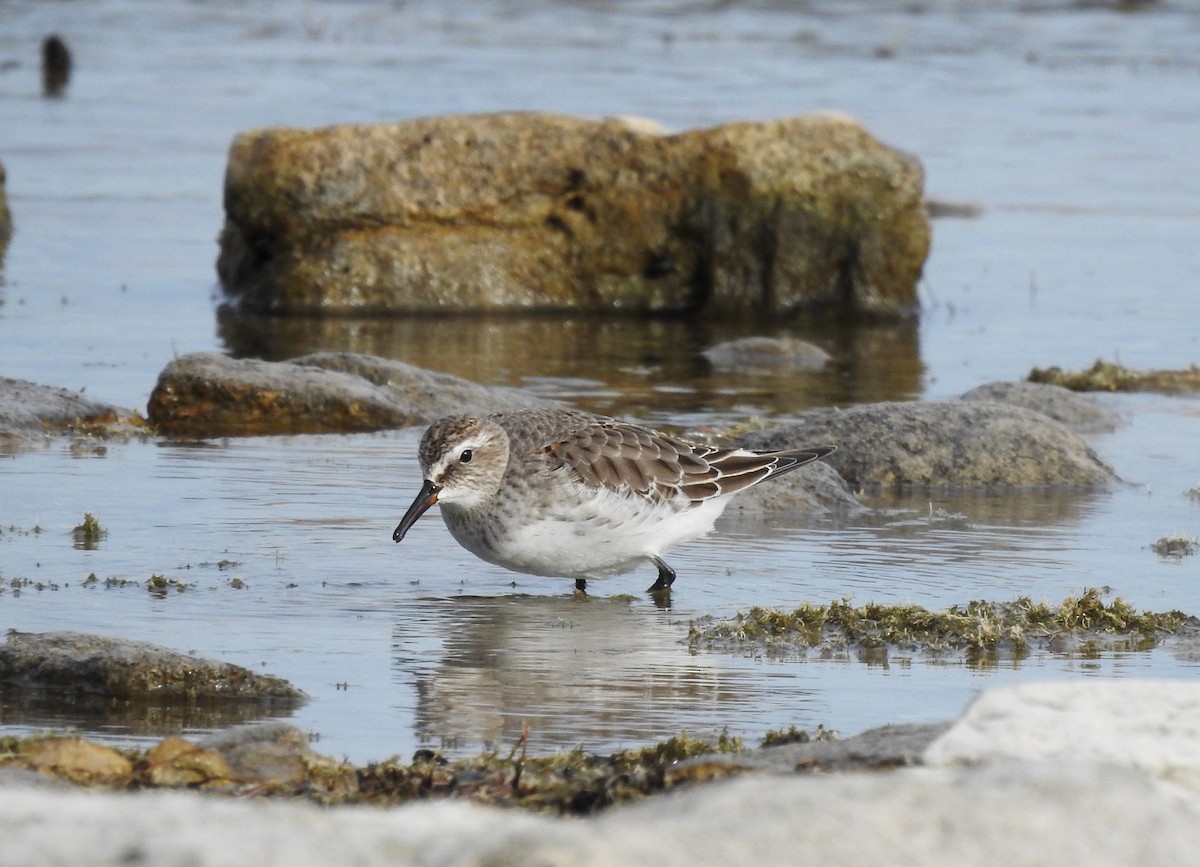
(601, 535)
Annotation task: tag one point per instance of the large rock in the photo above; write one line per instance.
(80, 664)
(208, 394)
(951, 443)
(528, 211)
(1081, 413)
(28, 409)
(1152, 726)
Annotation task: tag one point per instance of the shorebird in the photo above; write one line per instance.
(567, 494)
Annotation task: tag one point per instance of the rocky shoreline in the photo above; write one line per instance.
(1098, 772)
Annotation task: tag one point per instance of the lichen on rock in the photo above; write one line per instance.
(527, 211)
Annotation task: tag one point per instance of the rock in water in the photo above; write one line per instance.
(524, 211)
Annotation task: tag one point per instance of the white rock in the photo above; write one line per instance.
(1150, 725)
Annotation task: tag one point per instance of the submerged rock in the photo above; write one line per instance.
(1079, 412)
(772, 354)
(942, 208)
(951, 443)
(207, 394)
(92, 665)
(526, 211)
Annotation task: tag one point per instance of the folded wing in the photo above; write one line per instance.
(659, 467)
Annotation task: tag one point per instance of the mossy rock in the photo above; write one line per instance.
(528, 211)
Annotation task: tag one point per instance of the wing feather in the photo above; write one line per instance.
(624, 457)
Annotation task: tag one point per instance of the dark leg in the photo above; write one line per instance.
(666, 577)
(581, 586)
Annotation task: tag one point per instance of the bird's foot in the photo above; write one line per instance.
(666, 577)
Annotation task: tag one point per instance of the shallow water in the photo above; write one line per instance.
(1073, 125)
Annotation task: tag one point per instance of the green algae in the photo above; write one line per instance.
(980, 630)
(794, 735)
(1175, 546)
(88, 534)
(676, 749)
(574, 782)
(160, 585)
(1106, 376)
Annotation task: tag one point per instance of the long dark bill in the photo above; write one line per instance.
(424, 500)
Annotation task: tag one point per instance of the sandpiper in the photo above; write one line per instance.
(568, 494)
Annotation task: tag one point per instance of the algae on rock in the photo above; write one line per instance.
(527, 211)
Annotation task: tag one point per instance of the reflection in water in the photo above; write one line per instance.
(955, 547)
(1019, 507)
(35, 709)
(645, 368)
(600, 673)
(935, 549)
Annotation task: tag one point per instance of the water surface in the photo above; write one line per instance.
(1072, 125)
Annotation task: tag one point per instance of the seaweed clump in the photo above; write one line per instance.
(566, 783)
(1175, 546)
(983, 631)
(1106, 376)
(88, 534)
(794, 735)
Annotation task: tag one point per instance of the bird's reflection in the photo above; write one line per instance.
(595, 672)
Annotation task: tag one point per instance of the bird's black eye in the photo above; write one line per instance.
(466, 456)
